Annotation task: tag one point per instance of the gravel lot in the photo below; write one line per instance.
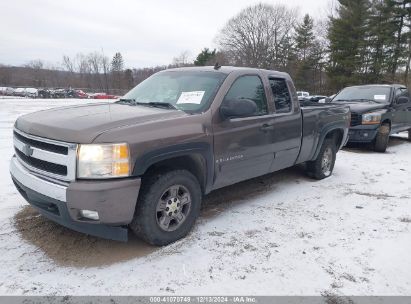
(281, 234)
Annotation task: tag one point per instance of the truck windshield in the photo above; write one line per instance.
(190, 91)
(365, 94)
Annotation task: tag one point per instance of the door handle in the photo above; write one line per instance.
(266, 127)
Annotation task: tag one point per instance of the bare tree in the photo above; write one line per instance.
(320, 56)
(96, 61)
(88, 70)
(37, 64)
(258, 35)
(105, 64)
(68, 64)
(182, 60)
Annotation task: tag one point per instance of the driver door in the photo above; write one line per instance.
(402, 115)
(242, 146)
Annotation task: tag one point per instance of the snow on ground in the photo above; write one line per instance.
(281, 234)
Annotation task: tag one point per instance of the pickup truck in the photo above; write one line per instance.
(377, 111)
(145, 161)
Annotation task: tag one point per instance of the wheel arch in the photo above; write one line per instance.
(196, 158)
(387, 121)
(335, 132)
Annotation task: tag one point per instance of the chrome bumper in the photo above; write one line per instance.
(35, 183)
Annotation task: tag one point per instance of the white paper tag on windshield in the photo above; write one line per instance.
(191, 97)
(380, 97)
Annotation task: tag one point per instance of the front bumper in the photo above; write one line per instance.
(114, 200)
(363, 133)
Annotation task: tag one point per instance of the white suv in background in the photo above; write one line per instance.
(301, 95)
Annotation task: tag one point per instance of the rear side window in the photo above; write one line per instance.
(249, 87)
(282, 97)
(402, 92)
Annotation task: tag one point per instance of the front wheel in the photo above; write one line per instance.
(323, 166)
(383, 136)
(167, 207)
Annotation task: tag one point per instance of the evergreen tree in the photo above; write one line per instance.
(117, 67)
(286, 56)
(379, 36)
(129, 79)
(117, 64)
(399, 15)
(408, 36)
(205, 57)
(348, 43)
(305, 59)
(304, 39)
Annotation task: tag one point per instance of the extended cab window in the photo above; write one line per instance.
(282, 98)
(249, 87)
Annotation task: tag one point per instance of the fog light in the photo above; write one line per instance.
(92, 215)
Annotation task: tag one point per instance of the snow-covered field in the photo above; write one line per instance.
(281, 234)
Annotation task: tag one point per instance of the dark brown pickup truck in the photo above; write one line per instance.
(145, 161)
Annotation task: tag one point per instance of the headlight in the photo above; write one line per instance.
(103, 161)
(371, 118)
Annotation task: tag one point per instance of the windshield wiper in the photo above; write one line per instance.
(159, 104)
(156, 104)
(364, 99)
(126, 100)
(359, 99)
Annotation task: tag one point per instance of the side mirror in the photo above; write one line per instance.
(403, 100)
(233, 108)
(328, 100)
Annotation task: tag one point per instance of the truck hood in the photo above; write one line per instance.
(83, 123)
(364, 107)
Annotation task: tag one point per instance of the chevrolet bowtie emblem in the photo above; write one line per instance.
(27, 150)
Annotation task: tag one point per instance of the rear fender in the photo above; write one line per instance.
(327, 129)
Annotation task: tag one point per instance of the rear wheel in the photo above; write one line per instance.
(167, 207)
(323, 166)
(382, 138)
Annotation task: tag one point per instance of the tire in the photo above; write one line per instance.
(163, 198)
(382, 138)
(323, 166)
(409, 135)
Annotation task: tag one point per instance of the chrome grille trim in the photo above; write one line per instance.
(69, 160)
(51, 157)
(31, 181)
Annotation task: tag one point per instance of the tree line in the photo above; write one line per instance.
(361, 41)
(93, 72)
(370, 41)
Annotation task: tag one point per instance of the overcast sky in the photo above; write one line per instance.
(147, 33)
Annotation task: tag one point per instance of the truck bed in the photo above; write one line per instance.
(316, 119)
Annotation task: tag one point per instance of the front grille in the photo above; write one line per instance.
(41, 145)
(46, 157)
(356, 119)
(41, 164)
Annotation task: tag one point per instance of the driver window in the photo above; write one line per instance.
(249, 87)
(401, 92)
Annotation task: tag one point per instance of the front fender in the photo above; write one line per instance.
(150, 158)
